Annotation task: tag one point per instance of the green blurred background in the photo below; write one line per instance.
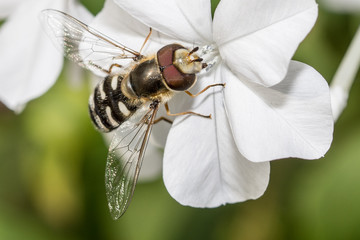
(52, 172)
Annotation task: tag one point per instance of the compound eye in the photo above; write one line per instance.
(176, 80)
(174, 75)
(165, 55)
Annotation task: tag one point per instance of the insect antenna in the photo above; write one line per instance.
(197, 60)
(192, 51)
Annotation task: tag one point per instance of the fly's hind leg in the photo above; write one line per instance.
(193, 95)
(184, 113)
(212, 85)
(187, 112)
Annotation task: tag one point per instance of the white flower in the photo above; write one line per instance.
(271, 107)
(29, 62)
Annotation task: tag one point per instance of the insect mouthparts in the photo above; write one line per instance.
(197, 60)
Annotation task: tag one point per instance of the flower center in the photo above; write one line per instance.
(210, 55)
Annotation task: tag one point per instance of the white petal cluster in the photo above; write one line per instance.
(29, 62)
(271, 108)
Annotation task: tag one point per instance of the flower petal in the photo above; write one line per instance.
(202, 165)
(161, 129)
(117, 24)
(8, 6)
(179, 103)
(339, 98)
(152, 164)
(185, 20)
(260, 37)
(77, 10)
(30, 63)
(291, 119)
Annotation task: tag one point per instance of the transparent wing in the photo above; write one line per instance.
(82, 44)
(124, 161)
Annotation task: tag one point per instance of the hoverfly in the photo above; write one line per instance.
(128, 101)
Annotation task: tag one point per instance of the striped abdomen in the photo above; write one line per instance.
(108, 106)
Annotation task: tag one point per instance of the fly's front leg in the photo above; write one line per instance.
(146, 39)
(184, 113)
(212, 85)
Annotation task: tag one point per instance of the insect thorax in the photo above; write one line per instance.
(108, 106)
(145, 81)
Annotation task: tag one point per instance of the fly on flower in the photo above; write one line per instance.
(127, 100)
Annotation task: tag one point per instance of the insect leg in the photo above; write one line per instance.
(99, 67)
(184, 113)
(114, 65)
(163, 118)
(212, 85)
(104, 70)
(146, 39)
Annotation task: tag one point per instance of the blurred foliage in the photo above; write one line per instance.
(92, 5)
(52, 172)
